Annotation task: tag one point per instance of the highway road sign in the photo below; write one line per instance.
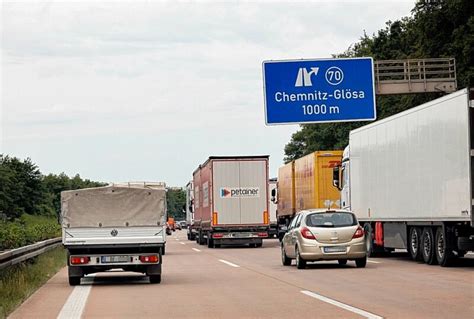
(318, 91)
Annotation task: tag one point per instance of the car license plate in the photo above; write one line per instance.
(335, 249)
(115, 259)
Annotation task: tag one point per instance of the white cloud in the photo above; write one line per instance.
(122, 91)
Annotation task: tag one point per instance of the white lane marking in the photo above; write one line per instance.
(182, 243)
(74, 306)
(195, 249)
(341, 305)
(229, 263)
(373, 261)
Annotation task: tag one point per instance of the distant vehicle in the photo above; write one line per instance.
(409, 179)
(306, 183)
(230, 201)
(177, 226)
(183, 224)
(171, 223)
(272, 206)
(117, 226)
(315, 235)
(189, 208)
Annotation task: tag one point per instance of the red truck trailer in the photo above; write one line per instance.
(231, 201)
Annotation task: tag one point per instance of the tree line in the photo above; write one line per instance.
(436, 29)
(25, 190)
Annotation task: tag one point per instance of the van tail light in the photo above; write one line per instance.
(217, 235)
(149, 259)
(80, 260)
(306, 233)
(358, 233)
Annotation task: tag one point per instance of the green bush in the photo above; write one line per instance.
(26, 230)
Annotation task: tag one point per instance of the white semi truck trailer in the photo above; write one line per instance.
(409, 179)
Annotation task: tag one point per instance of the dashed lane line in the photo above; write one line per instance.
(341, 305)
(373, 261)
(195, 249)
(229, 263)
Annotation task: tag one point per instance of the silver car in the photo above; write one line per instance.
(322, 234)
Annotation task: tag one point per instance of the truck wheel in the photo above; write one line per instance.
(258, 244)
(428, 246)
(284, 259)
(369, 241)
(210, 242)
(202, 240)
(74, 281)
(155, 279)
(342, 262)
(414, 243)
(300, 262)
(361, 262)
(444, 256)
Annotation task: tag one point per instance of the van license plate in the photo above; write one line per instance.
(115, 259)
(335, 249)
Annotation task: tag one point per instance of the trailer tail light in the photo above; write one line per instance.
(214, 218)
(266, 219)
(80, 260)
(149, 259)
(358, 233)
(262, 234)
(306, 233)
(217, 235)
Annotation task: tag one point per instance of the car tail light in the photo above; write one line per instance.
(217, 235)
(80, 260)
(149, 259)
(358, 233)
(306, 233)
(262, 234)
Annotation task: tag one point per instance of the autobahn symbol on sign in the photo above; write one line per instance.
(318, 91)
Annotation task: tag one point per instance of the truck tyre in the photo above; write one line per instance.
(300, 262)
(361, 262)
(210, 242)
(258, 244)
(342, 262)
(284, 259)
(444, 255)
(369, 241)
(414, 243)
(74, 281)
(201, 239)
(155, 279)
(428, 246)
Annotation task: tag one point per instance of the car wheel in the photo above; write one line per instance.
(155, 279)
(284, 259)
(74, 281)
(217, 245)
(163, 251)
(361, 262)
(300, 262)
(342, 261)
(414, 243)
(444, 256)
(428, 246)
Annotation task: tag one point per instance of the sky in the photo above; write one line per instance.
(146, 91)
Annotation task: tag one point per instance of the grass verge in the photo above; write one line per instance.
(19, 282)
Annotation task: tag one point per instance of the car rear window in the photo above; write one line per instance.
(331, 219)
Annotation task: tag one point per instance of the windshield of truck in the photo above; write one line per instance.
(331, 219)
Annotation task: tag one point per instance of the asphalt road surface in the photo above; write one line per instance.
(242, 282)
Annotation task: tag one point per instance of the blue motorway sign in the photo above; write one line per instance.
(317, 91)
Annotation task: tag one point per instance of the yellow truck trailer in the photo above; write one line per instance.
(306, 183)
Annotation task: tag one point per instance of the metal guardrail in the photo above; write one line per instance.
(17, 255)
